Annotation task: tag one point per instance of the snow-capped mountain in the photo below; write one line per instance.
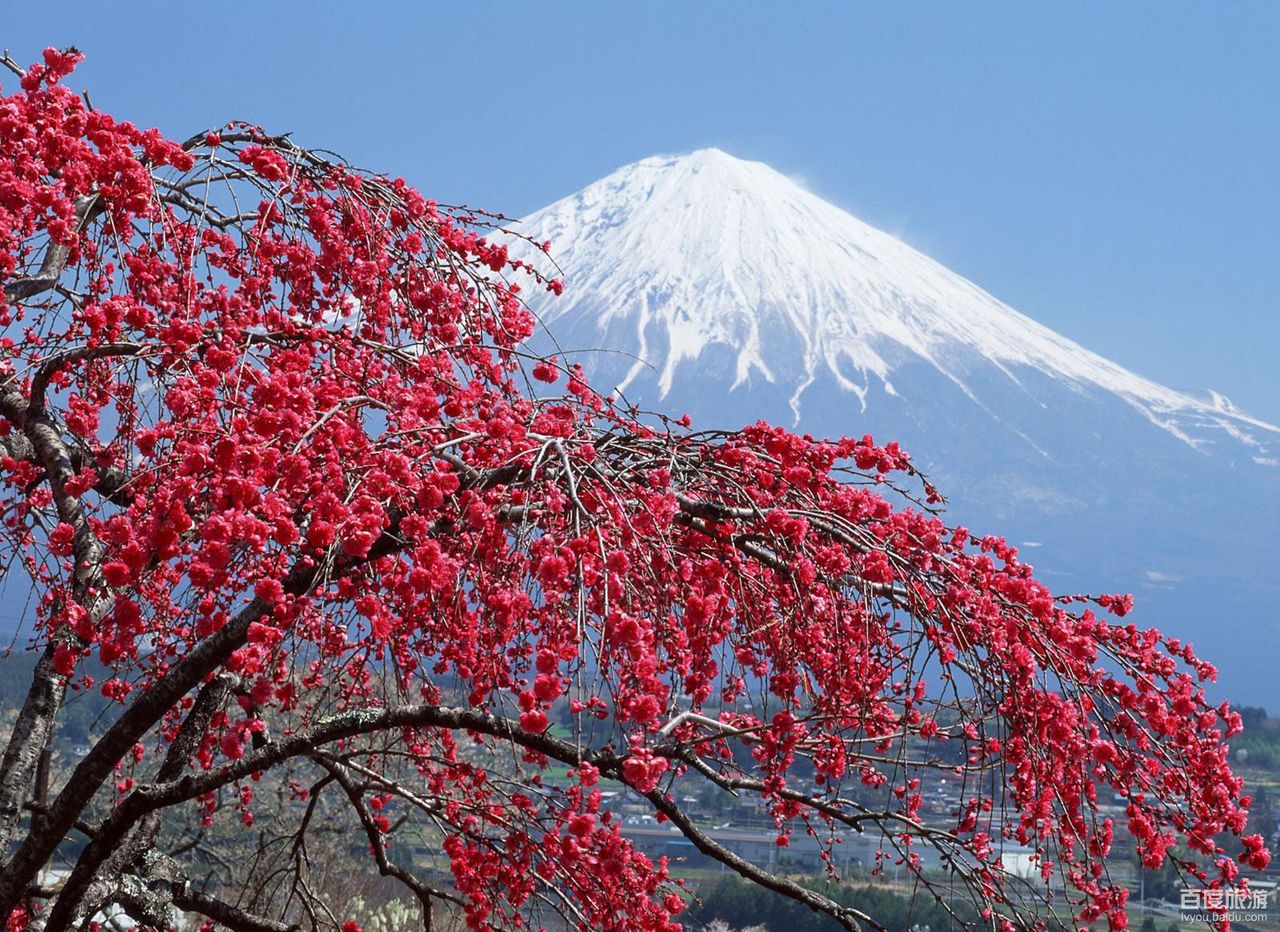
(721, 287)
(671, 256)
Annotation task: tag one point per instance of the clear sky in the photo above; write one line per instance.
(1109, 169)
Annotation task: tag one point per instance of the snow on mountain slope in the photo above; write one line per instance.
(670, 256)
(721, 288)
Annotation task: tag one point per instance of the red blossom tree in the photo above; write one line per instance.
(271, 460)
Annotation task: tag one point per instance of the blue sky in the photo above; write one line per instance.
(1109, 169)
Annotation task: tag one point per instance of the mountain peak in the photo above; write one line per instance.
(708, 157)
(672, 258)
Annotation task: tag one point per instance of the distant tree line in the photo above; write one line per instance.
(740, 904)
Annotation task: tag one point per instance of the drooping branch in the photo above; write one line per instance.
(149, 901)
(55, 258)
(129, 854)
(208, 655)
(194, 901)
(847, 916)
(424, 893)
(35, 407)
(154, 797)
(125, 732)
(34, 726)
(151, 798)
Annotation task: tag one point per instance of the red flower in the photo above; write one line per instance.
(534, 721)
(269, 591)
(61, 540)
(546, 370)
